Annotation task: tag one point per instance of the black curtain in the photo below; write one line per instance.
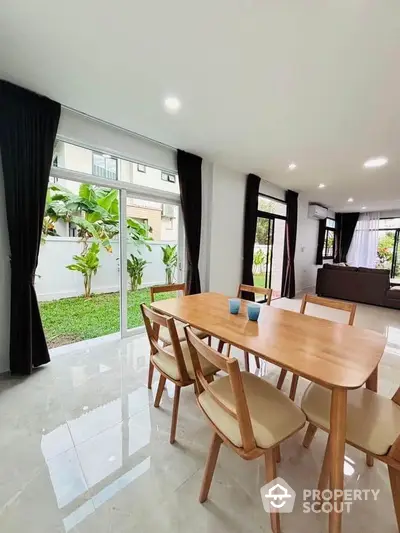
(28, 128)
(249, 232)
(288, 279)
(345, 227)
(189, 172)
(321, 240)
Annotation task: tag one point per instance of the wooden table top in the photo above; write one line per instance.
(332, 354)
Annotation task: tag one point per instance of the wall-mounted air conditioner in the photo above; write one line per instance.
(317, 211)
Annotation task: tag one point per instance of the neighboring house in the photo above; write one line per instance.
(162, 219)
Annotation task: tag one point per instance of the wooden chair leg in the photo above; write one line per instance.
(369, 460)
(210, 467)
(257, 361)
(394, 476)
(160, 390)
(310, 433)
(150, 375)
(175, 413)
(246, 361)
(228, 354)
(293, 387)
(209, 340)
(270, 474)
(220, 346)
(281, 379)
(278, 454)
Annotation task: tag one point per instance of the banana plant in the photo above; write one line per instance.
(87, 263)
(136, 266)
(170, 260)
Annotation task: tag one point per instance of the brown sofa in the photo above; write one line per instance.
(363, 285)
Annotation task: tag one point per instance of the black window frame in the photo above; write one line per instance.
(329, 230)
(141, 168)
(171, 178)
(271, 217)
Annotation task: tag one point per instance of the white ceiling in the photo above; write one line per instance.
(262, 82)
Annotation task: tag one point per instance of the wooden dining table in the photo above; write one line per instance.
(337, 356)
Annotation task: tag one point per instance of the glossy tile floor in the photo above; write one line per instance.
(83, 450)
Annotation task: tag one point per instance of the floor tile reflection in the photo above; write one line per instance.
(83, 449)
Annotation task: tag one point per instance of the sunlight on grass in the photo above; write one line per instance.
(75, 319)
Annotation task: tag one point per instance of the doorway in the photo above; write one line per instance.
(269, 244)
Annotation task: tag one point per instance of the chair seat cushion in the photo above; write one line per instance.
(373, 421)
(164, 335)
(166, 362)
(274, 417)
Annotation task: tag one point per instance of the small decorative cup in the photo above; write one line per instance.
(253, 311)
(234, 305)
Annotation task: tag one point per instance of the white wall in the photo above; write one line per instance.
(227, 217)
(54, 281)
(5, 279)
(306, 247)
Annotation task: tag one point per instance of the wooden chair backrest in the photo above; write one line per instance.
(255, 290)
(327, 302)
(153, 321)
(173, 287)
(231, 367)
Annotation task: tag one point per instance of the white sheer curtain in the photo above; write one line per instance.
(364, 245)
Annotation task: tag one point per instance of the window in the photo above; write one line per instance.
(72, 230)
(104, 166)
(168, 177)
(270, 205)
(52, 179)
(329, 240)
(141, 168)
(55, 161)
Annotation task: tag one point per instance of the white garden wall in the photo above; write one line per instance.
(54, 281)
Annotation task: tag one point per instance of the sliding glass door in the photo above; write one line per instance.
(111, 229)
(388, 252)
(269, 244)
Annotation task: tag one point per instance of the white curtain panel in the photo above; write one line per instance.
(364, 245)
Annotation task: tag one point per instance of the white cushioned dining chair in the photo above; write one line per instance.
(324, 302)
(172, 361)
(245, 412)
(373, 426)
(255, 290)
(164, 336)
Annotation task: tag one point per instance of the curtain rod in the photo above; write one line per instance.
(125, 130)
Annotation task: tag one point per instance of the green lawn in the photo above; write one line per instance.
(75, 319)
(259, 280)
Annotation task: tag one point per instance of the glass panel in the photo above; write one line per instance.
(152, 252)
(330, 223)
(389, 223)
(329, 243)
(277, 257)
(77, 279)
(80, 159)
(386, 242)
(268, 205)
(268, 255)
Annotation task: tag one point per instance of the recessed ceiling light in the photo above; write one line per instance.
(376, 162)
(292, 166)
(172, 104)
(321, 186)
(350, 200)
(363, 207)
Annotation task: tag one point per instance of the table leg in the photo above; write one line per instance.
(337, 445)
(372, 384)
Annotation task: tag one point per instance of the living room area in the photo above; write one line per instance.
(359, 256)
